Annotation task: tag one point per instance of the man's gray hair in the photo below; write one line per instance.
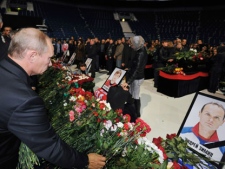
(0, 18)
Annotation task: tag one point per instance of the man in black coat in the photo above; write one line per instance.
(23, 116)
(216, 70)
(4, 40)
(91, 53)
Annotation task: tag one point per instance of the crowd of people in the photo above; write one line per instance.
(106, 54)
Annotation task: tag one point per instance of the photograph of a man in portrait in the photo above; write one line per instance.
(203, 126)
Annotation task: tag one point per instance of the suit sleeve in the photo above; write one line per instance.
(29, 122)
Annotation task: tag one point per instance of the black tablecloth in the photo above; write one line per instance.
(181, 85)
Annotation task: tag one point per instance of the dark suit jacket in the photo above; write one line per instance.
(4, 45)
(23, 117)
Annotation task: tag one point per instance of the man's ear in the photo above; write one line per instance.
(199, 113)
(33, 56)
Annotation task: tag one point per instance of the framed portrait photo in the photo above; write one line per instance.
(72, 59)
(114, 79)
(204, 127)
(88, 63)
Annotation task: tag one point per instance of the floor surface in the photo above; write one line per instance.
(164, 114)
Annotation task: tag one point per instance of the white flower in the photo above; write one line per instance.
(102, 132)
(194, 50)
(151, 147)
(68, 78)
(72, 98)
(102, 101)
(108, 124)
(120, 124)
(108, 107)
(65, 104)
(161, 159)
(131, 126)
(123, 133)
(113, 127)
(124, 153)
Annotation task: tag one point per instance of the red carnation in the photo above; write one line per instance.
(171, 136)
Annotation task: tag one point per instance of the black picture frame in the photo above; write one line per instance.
(72, 58)
(106, 85)
(88, 63)
(211, 149)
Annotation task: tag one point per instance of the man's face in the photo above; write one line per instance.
(211, 117)
(7, 31)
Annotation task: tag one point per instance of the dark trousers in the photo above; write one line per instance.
(110, 63)
(92, 69)
(102, 61)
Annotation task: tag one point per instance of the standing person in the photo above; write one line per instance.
(58, 52)
(127, 54)
(71, 48)
(4, 40)
(216, 69)
(119, 53)
(91, 53)
(24, 118)
(80, 52)
(162, 58)
(135, 75)
(98, 46)
(102, 54)
(109, 56)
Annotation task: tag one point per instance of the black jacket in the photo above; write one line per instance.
(137, 67)
(4, 45)
(23, 118)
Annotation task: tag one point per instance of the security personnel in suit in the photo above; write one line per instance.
(4, 40)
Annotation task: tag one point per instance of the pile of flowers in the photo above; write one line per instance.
(187, 62)
(191, 55)
(90, 125)
(173, 69)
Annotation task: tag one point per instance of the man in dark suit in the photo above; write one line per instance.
(91, 53)
(4, 40)
(23, 116)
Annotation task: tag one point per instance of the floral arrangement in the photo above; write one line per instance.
(90, 125)
(173, 69)
(191, 55)
(187, 61)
